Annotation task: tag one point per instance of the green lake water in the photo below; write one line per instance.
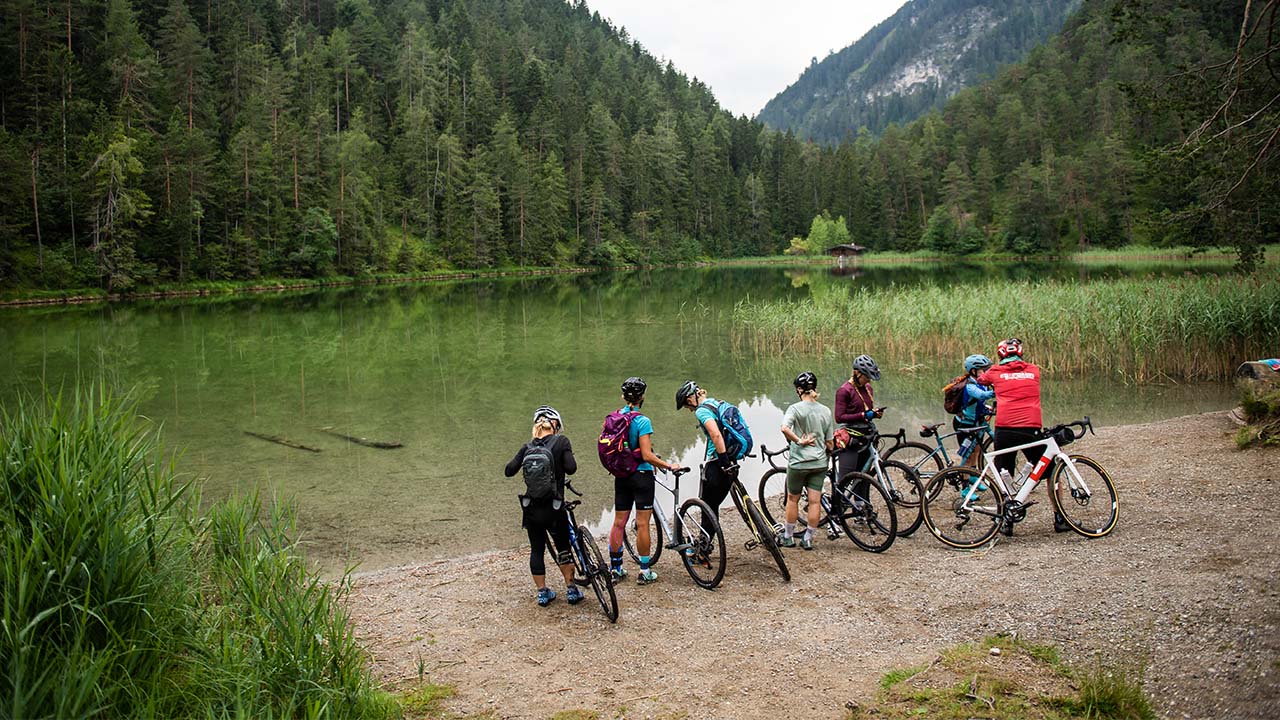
(453, 371)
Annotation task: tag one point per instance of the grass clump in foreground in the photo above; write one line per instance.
(1261, 403)
(1141, 329)
(1023, 681)
(117, 599)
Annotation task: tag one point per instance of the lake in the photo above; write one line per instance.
(454, 370)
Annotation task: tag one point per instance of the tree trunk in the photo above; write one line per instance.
(295, 174)
(35, 207)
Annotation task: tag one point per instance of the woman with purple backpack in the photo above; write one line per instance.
(634, 489)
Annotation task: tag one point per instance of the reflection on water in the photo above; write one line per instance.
(453, 371)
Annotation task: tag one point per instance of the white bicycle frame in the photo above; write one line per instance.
(1051, 452)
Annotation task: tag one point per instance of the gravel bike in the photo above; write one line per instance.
(589, 567)
(898, 480)
(871, 522)
(695, 534)
(965, 507)
(763, 533)
(929, 461)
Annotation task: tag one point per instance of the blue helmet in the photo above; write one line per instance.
(976, 362)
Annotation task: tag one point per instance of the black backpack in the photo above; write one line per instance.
(539, 471)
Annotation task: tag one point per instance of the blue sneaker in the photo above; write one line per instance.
(573, 595)
(545, 596)
(618, 573)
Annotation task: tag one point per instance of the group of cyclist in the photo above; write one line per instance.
(815, 434)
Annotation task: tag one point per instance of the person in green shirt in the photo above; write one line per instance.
(809, 426)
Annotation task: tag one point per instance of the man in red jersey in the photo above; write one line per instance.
(1018, 421)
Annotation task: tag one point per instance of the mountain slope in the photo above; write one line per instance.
(911, 63)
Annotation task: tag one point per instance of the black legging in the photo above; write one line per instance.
(539, 519)
(1007, 437)
(850, 459)
(715, 488)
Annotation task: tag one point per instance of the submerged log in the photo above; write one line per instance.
(380, 444)
(281, 441)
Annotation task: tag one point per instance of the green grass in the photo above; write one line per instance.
(117, 599)
(1025, 681)
(1261, 403)
(1139, 329)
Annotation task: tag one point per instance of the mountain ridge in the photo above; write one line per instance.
(911, 63)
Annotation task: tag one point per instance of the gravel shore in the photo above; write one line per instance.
(1184, 588)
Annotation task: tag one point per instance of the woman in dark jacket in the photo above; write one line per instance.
(542, 515)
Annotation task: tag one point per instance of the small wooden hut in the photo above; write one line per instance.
(842, 253)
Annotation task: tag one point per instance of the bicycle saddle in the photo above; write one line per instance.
(929, 430)
(972, 431)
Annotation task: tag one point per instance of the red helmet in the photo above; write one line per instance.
(1012, 346)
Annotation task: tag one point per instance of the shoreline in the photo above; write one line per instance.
(83, 296)
(1172, 582)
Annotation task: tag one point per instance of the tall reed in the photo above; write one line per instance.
(1141, 329)
(118, 600)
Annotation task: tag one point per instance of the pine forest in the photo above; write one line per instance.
(162, 141)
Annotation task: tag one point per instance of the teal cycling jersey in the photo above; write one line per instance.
(640, 426)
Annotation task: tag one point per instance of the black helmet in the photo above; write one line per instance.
(633, 388)
(806, 381)
(865, 365)
(686, 391)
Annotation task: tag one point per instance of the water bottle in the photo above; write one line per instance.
(1024, 472)
(1008, 481)
(966, 447)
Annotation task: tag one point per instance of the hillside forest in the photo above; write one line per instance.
(156, 141)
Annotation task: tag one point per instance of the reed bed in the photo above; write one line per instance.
(1140, 329)
(118, 600)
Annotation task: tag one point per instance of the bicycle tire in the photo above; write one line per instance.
(598, 574)
(768, 538)
(706, 563)
(942, 504)
(907, 496)
(925, 460)
(1070, 508)
(655, 538)
(874, 526)
(762, 496)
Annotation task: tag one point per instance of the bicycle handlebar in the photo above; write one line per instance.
(569, 484)
(1085, 425)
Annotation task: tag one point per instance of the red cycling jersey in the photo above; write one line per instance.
(1017, 386)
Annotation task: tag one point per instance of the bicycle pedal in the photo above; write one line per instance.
(751, 545)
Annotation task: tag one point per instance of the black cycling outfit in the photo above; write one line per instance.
(543, 515)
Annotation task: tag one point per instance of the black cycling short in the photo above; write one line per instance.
(635, 490)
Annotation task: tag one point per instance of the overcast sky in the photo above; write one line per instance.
(746, 51)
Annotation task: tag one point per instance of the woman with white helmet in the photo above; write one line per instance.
(545, 460)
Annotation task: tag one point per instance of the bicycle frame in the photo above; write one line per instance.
(961, 453)
(1052, 453)
(671, 529)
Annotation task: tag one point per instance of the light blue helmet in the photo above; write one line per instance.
(976, 362)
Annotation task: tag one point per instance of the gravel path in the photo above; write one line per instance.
(1186, 587)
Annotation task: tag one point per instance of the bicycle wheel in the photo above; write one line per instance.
(598, 573)
(700, 531)
(768, 537)
(1092, 509)
(958, 516)
(655, 538)
(906, 493)
(871, 522)
(778, 513)
(925, 460)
